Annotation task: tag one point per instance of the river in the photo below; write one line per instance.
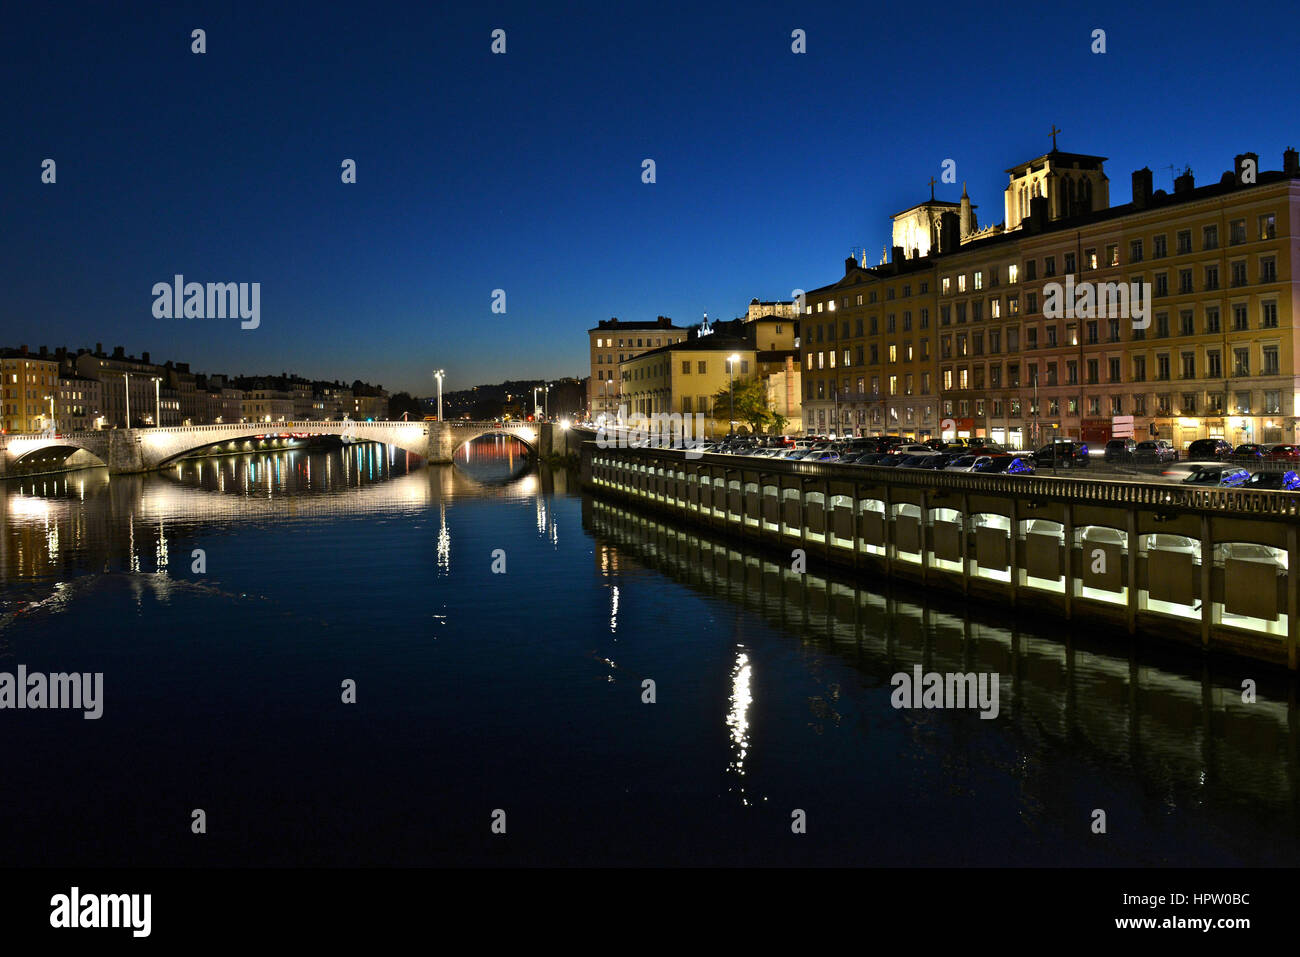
(497, 634)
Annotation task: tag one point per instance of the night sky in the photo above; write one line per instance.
(523, 171)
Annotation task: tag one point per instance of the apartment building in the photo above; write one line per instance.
(1177, 309)
(614, 341)
(29, 385)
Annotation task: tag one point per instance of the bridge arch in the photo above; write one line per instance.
(61, 451)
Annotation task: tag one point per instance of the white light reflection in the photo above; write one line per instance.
(444, 542)
(738, 719)
(613, 608)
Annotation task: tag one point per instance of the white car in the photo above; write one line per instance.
(1175, 472)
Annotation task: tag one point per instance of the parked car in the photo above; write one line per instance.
(1063, 454)
(1227, 476)
(1119, 450)
(1282, 481)
(918, 460)
(1008, 464)
(1282, 453)
(1249, 452)
(1209, 450)
(961, 463)
(1155, 451)
(1177, 471)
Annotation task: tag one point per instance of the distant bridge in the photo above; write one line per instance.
(143, 450)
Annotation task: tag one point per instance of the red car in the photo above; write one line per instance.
(1282, 453)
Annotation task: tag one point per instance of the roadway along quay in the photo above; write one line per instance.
(1202, 565)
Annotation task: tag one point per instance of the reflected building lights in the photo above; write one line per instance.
(444, 541)
(613, 609)
(738, 720)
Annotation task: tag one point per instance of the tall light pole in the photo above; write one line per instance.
(157, 398)
(546, 399)
(537, 409)
(438, 375)
(126, 380)
(53, 424)
(731, 394)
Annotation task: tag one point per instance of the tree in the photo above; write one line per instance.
(400, 402)
(748, 405)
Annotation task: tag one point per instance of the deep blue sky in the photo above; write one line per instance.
(523, 171)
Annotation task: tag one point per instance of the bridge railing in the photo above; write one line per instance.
(1257, 502)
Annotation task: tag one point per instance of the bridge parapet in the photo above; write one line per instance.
(142, 450)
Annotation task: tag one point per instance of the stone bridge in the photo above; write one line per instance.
(143, 450)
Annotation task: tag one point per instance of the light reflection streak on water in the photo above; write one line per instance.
(613, 608)
(738, 720)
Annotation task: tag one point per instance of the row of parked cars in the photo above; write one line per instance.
(1159, 451)
(886, 452)
(985, 457)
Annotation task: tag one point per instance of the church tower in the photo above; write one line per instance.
(1073, 183)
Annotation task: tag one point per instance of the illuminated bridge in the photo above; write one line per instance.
(143, 450)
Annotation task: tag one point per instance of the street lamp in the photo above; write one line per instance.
(157, 398)
(537, 410)
(438, 375)
(126, 385)
(731, 394)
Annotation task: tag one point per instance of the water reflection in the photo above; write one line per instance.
(77, 522)
(1176, 728)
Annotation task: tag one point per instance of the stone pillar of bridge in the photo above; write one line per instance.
(443, 440)
(123, 453)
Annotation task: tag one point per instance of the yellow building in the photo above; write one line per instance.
(685, 377)
(1005, 334)
(867, 346)
(29, 387)
(612, 342)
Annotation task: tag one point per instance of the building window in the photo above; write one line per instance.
(1270, 360)
(1159, 246)
(1268, 269)
(1237, 232)
(1267, 227)
(1013, 273)
(1210, 237)
(1135, 251)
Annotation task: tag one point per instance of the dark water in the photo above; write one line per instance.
(522, 691)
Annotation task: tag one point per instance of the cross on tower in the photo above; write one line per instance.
(932, 182)
(1053, 136)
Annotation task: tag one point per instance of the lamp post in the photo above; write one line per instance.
(438, 375)
(126, 384)
(157, 398)
(536, 407)
(731, 394)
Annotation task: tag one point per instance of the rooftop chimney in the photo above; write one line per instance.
(23, 349)
(896, 254)
(119, 352)
(44, 351)
(144, 357)
(1291, 162)
(1142, 188)
(99, 348)
(849, 264)
(1185, 183)
(1247, 173)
